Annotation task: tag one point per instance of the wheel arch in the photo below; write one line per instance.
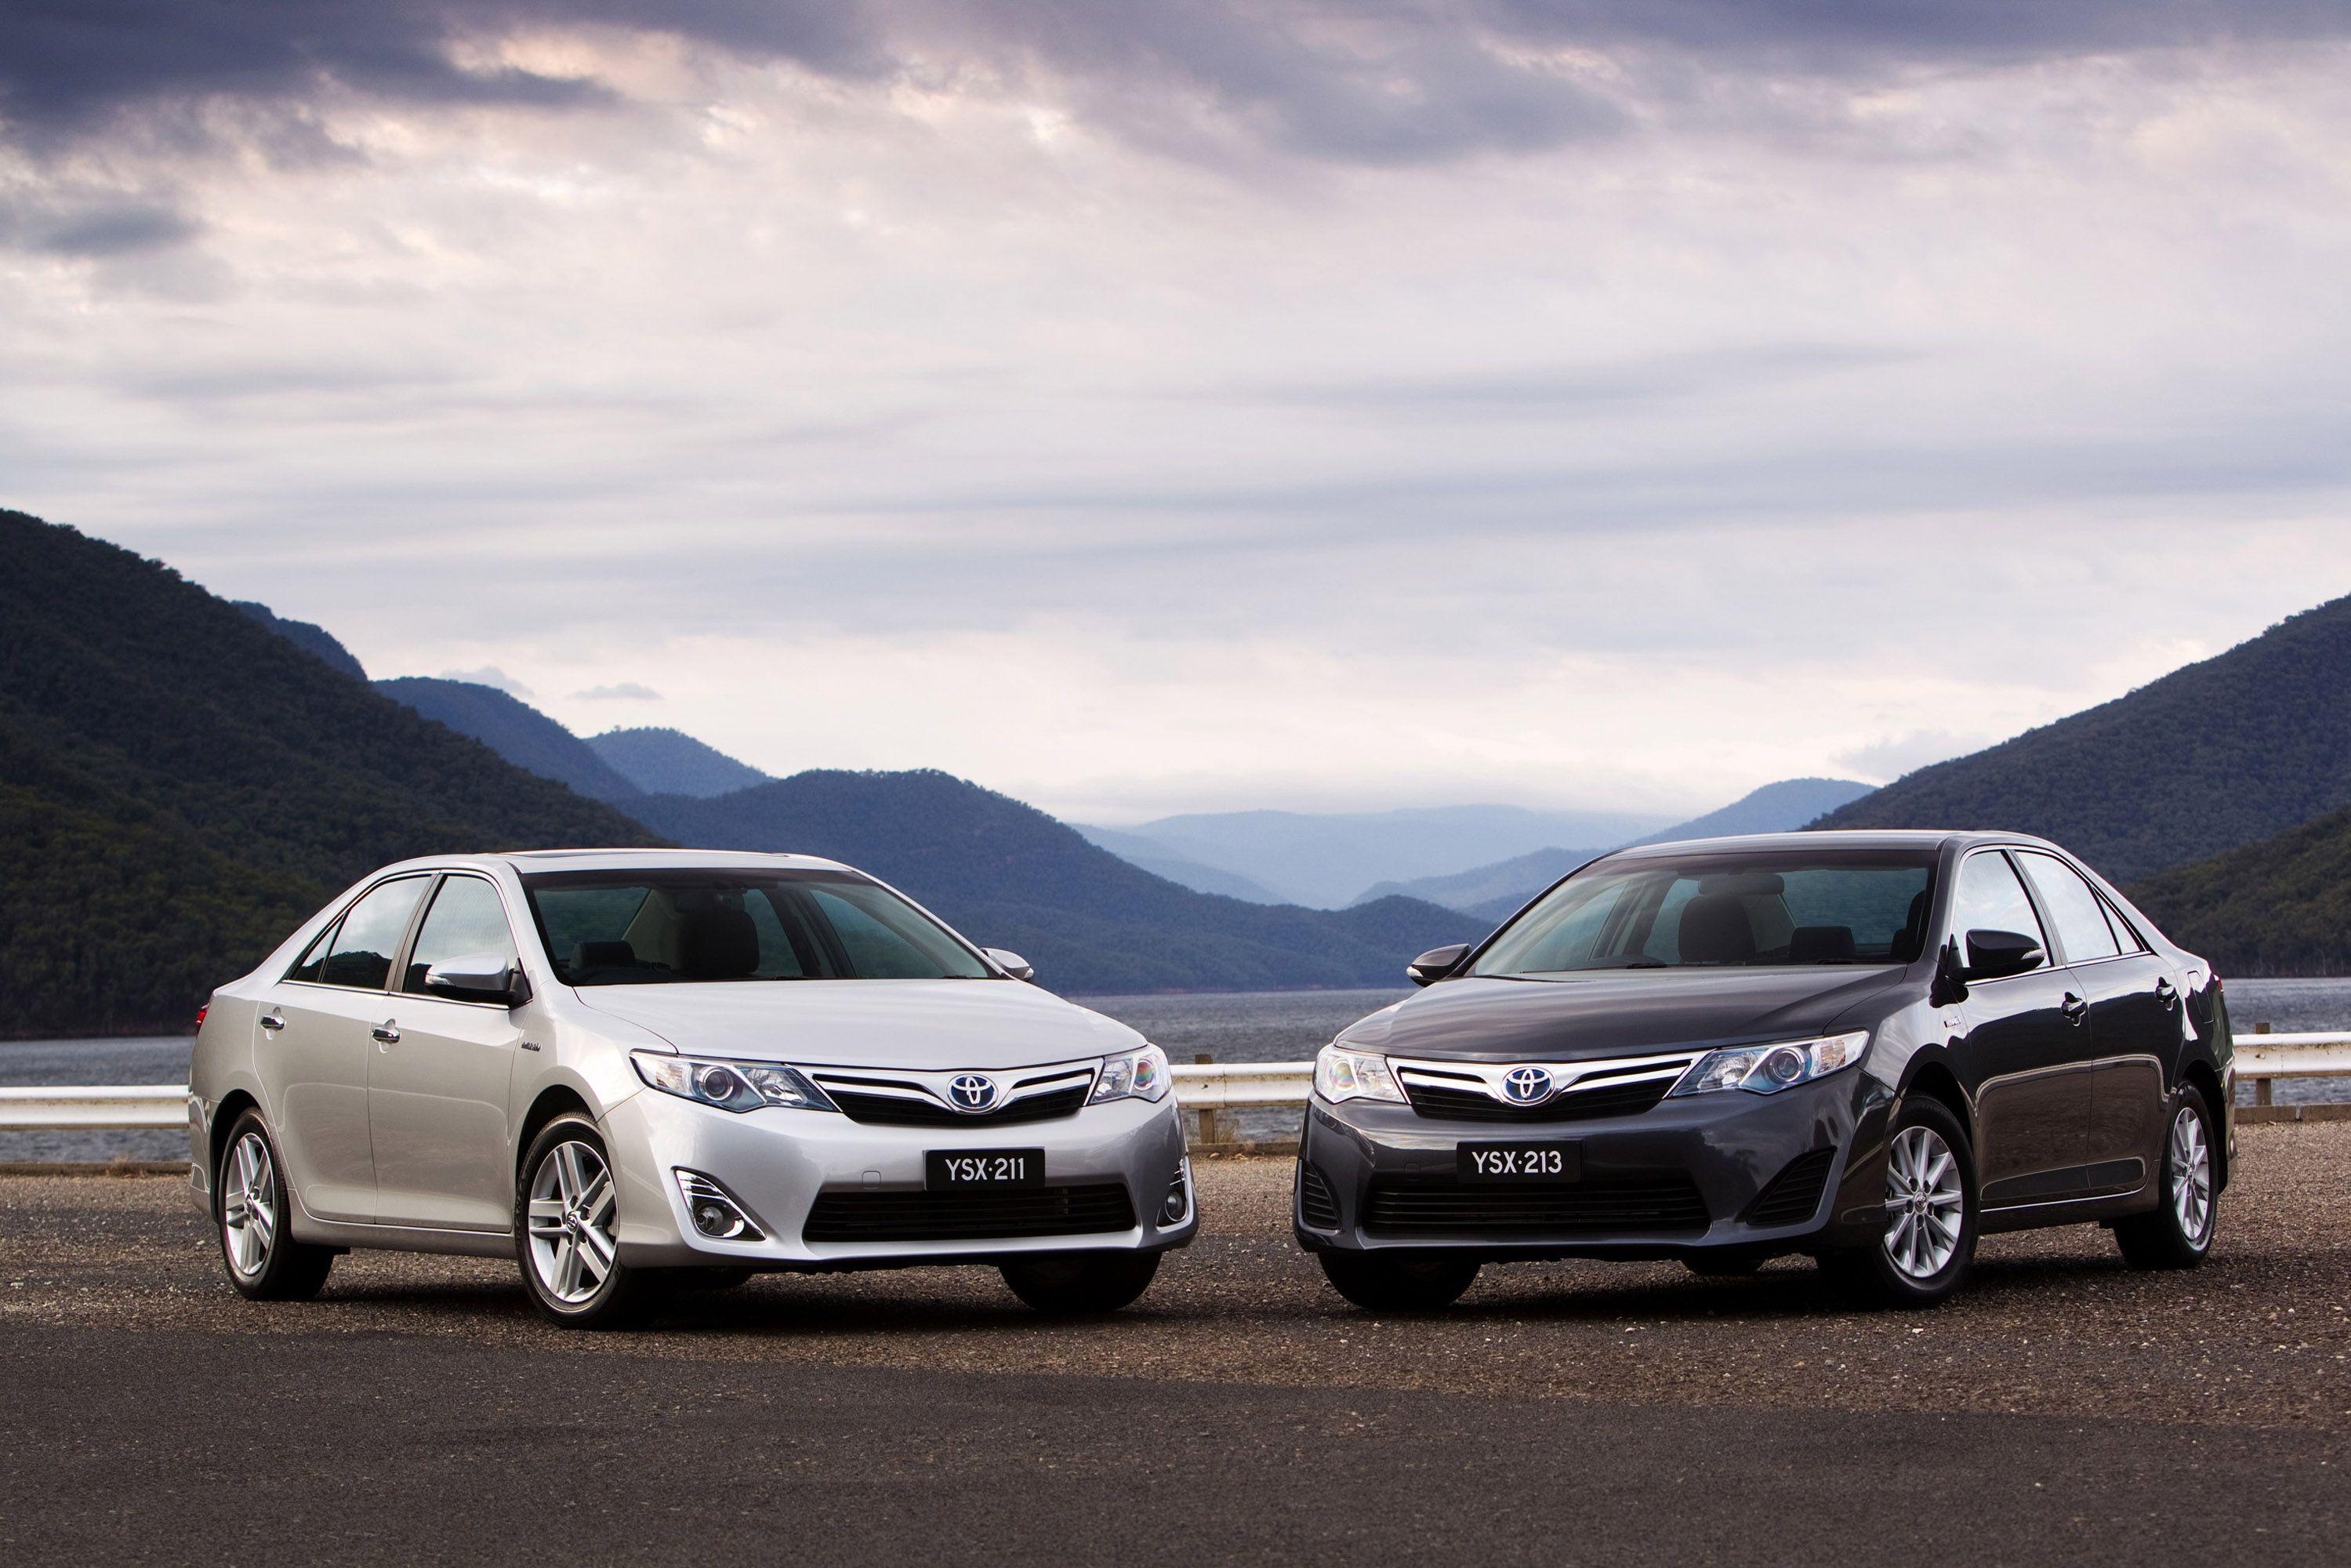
(1934, 1080)
(2204, 1076)
(551, 1102)
(233, 1107)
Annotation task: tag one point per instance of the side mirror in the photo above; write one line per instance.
(479, 978)
(1995, 954)
(1437, 964)
(1011, 963)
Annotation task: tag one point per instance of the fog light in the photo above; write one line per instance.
(715, 1211)
(1179, 1201)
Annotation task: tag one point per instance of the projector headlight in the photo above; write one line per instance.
(1341, 1074)
(1133, 1075)
(1768, 1069)
(730, 1085)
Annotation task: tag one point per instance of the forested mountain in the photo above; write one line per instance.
(2278, 906)
(312, 638)
(2226, 752)
(515, 731)
(670, 762)
(1138, 850)
(180, 787)
(1007, 874)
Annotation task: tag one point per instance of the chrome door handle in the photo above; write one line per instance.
(387, 1032)
(2076, 1010)
(272, 1021)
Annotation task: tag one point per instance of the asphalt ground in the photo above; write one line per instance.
(2062, 1408)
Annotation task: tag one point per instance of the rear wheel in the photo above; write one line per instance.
(250, 1210)
(1399, 1282)
(1073, 1284)
(1930, 1215)
(565, 1210)
(2177, 1232)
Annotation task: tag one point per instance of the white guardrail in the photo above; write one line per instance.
(1207, 1086)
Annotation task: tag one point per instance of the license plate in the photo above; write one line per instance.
(949, 1170)
(1533, 1163)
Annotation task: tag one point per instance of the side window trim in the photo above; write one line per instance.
(416, 932)
(407, 934)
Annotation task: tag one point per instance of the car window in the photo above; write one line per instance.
(466, 919)
(361, 954)
(878, 947)
(2073, 905)
(2128, 939)
(314, 955)
(1990, 898)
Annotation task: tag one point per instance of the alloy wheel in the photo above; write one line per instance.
(250, 1206)
(1925, 1203)
(2192, 1177)
(571, 1213)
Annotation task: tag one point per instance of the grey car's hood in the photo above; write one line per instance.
(1584, 1018)
(920, 1025)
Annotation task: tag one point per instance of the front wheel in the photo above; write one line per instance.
(1080, 1284)
(2177, 1232)
(565, 1212)
(1399, 1282)
(250, 1208)
(1930, 1216)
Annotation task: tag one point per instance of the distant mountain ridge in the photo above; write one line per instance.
(671, 762)
(2225, 752)
(314, 640)
(181, 785)
(1325, 861)
(1495, 892)
(1136, 850)
(515, 731)
(1007, 874)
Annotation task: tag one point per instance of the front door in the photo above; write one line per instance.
(2027, 1051)
(311, 1048)
(437, 1091)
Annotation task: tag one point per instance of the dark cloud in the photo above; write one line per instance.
(92, 227)
(1376, 81)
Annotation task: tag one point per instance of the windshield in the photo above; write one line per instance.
(636, 928)
(1714, 911)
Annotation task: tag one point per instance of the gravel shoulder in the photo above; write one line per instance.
(2052, 1323)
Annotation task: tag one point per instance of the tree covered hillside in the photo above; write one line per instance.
(2282, 906)
(180, 787)
(1008, 875)
(515, 731)
(2219, 754)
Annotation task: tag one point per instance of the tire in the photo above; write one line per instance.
(1930, 1206)
(2177, 1232)
(257, 1247)
(564, 1208)
(1080, 1284)
(1722, 1265)
(1399, 1282)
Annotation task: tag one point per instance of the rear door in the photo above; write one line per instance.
(2027, 1051)
(314, 1038)
(2134, 1022)
(437, 1093)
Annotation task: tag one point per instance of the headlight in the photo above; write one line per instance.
(729, 1085)
(1342, 1074)
(1768, 1069)
(1136, 1075)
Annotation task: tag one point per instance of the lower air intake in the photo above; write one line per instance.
(1440, 1206)
(863, 1216)
(1317, 1209)
(1795, 1192)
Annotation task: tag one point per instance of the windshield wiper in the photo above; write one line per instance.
(1639, 961)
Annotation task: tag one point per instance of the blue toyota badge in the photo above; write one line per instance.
(1525, 1085)
(972, 1092)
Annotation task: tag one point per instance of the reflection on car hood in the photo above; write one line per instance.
(921, 1025)
(1584, 1016)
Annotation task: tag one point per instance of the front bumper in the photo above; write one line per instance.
(778, 1162)
(1703, 1172)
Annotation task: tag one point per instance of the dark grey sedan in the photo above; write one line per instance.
(1870, 1047)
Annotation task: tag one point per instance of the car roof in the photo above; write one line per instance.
(527, 861)
(1835, 837)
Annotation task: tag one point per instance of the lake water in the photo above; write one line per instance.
(1260, 1026)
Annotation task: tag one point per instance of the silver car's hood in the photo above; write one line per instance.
(921, 1025)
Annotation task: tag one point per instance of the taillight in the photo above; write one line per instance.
(201, 1012)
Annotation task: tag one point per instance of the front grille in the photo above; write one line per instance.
(891, 1110)
(1316, 1206)
(859, 1215)
(1575, 1105)
(1440, 1206)
(1795, 1192)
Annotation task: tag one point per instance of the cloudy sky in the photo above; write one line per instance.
(1145, 405)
